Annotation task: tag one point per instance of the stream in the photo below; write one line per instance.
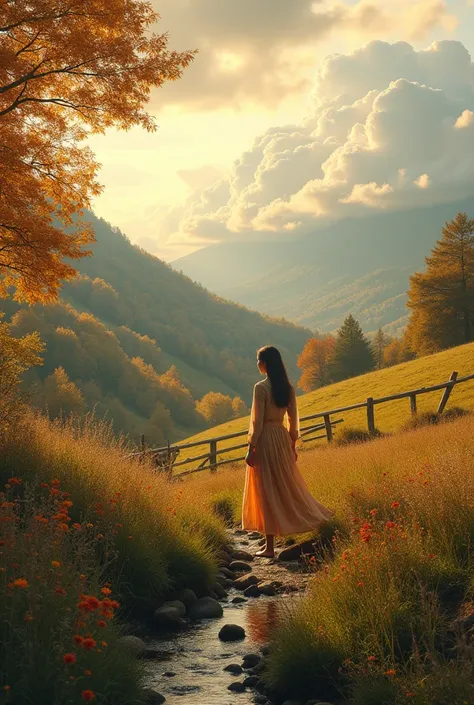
(198, 657)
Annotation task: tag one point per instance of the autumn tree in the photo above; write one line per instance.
(378, 345)
(239, 408)
(61, 395)
(315, 363)
(216, 408)
(442, 298)
(352, 354)
(17, 355)
(68, 69)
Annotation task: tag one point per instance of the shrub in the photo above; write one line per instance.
(58, 635)
(348, 436)
(430, 418)
(223, 507)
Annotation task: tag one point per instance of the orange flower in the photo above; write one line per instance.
(87, 672)
(44, 484)
(101, 623)
(89, 643)
(20, 583)
(373, 512)
(55, 483)
(100, 536)
(41, 519)
(78, 639)
(391, 672)
(6, 688)
(395, 505)
(410, 695)
(14, 481)
(88, 695)
(69, 659)
(372, 659)
(106, 591)
(104, 644)
(56, 564)
(28, 617)
(60, 591)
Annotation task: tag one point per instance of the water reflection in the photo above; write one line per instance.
(264, 616)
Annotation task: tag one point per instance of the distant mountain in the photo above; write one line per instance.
(358, 266)
(127, 320)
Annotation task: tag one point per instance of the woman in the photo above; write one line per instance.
(276, 499)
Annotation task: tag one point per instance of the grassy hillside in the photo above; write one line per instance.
(424, 372)
(359, 266)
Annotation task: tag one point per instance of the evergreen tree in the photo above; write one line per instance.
(442, 297)
(352, 355)
(378, 345)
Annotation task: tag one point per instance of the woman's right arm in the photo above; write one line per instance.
(293, 418)
(256, 417)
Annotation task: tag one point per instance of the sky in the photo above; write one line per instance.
(295, 113)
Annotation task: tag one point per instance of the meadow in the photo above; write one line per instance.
(423, 372)
(377, 625)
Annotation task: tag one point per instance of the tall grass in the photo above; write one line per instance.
(158, 542)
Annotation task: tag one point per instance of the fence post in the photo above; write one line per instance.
(447, 393)
(142, 443)
(213, 454)
(327, 423)
(370, 416)
(413, 404)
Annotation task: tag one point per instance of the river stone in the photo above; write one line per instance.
(254, 536)
(239, 600)
(252, 591)
(245, 581)
(152, 697)
(168, 618)
(177, 604)
(134, 645)
(251, 660)
(219, 590)
(236, 687)
(265, 650)
(240, 532)
(251, 681)
(220, 578)
(224, 556)
(260, 700)
(258, 669)
(242, 556)
(267, 588)
(232, 632)
(187, 597)
(293, 702)
(234, 668)
(293, 553)
(169, 674)
(206, 608)
(228, 573)
(240, 567)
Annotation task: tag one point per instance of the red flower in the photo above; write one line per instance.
(391, 672)
(101, 623)
(89, 643)
(395, 505)
(78, 639)
(69, 658)
(88, 695)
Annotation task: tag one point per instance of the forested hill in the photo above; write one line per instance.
(127, 320)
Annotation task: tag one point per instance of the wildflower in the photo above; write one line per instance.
(89, 643)
(360, 584)
(69, 659)
(41, 519)
(129, 538)
(391, 672)
(88, 695)
(106, 591)
(100, 536)
(60, 591)
(14, 481)
(76, 526)
(28, 617)
(372, 659)
(104, 644)
(78, 639)
(55, 483)
(431, 556)
(365, 532)
(56, 564)
(44, 484)
(20, 583)
(87, 672)
(390, 525)
(395, 505)
(410, 695)
(6, 688)
(374, 512)
(63, 527)
(101, 623)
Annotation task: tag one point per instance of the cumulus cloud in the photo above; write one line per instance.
(263, 50)
(391, 128)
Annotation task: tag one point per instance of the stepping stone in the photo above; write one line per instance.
(267, 588)
(234, 668)
(252, 591)
(224, 556)
(134, 645)
(246, 581)
(219, 590)
(151, 697)
(251, 681)
(169, 618)
(169, 674)
(239, 600)
(228, 573)
(251, 660)
(255, 535)
(240, 532)
(236, 687)
(242, 556)
(220, 578)
(293, 553)
(206, 608)
(232, 632)
(187, 597)
(177, 604)
(240, 567)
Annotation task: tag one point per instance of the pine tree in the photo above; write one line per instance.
(378, 345)
(442, 297)
(353, 355)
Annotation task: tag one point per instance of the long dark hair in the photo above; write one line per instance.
(277, 374)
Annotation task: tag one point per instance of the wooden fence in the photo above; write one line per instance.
(166, 458)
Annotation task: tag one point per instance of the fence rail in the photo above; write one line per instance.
(165, 458)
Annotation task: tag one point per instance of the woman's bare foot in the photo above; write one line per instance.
(269, 550)
(265, 553)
